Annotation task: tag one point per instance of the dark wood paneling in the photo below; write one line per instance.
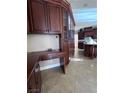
(66, 50)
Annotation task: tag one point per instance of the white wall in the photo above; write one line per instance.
(41, 43)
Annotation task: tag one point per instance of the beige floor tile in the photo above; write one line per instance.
(81, 77)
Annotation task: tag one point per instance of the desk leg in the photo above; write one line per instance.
(63, 65)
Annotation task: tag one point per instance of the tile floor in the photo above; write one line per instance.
(81, 76)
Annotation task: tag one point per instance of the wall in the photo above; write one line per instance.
(41, 43)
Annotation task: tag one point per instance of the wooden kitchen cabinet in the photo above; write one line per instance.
(38, 78)
(38, 16)
(90, 50)
(66, 50)
(34, 82)
(48, 17)
(45, 17)
(31, 87)
(54, 18)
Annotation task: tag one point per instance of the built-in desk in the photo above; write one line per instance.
(33, 76)
(35, 57)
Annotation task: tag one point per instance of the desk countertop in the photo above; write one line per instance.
(34, 57)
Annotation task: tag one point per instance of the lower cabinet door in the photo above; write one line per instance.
(31, 87)
(38, 78)
(34, 83)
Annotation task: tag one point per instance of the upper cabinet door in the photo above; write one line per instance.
(38, 16)
(54, 21)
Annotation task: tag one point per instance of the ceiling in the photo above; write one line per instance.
(76, 4)
(84, 11)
